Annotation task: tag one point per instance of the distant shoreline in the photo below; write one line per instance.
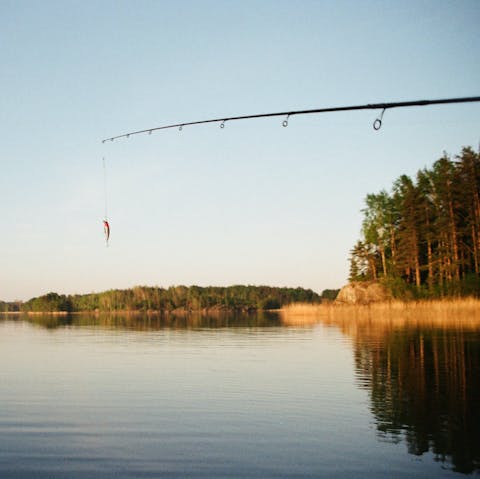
(468, 305)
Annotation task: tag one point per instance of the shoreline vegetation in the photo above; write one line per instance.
(173, 300)
(421, 239)
(305, 312)
(455, 312)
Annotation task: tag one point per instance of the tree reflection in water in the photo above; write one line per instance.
(424, 385)
(421, 368)
(154, 321)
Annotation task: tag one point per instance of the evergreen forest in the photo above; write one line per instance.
(422, 238)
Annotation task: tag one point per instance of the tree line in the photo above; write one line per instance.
(422, 239)
(10, 306)
(187, 298)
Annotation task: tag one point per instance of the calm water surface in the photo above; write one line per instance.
(236, 397)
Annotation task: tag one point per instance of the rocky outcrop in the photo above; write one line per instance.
(362, 292)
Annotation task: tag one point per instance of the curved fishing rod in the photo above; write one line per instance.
(287, 114)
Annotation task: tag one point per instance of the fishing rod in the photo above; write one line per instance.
(377, 124)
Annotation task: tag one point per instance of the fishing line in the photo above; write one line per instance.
(105, 188)
(377, 124)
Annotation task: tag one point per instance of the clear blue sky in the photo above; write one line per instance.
(253, 203)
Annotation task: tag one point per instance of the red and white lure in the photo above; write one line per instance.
(106, 230)
(106, 224)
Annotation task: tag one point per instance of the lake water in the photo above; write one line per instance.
(122, 397)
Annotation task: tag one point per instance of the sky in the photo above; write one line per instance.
(252, 203)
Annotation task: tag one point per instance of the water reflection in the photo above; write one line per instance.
(424, 384)
(422, 375)
(154, 321)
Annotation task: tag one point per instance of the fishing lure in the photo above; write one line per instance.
(106, 224)
(106, 230)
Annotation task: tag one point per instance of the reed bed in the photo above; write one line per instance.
(463, 312)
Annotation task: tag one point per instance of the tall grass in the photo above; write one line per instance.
(448, 313)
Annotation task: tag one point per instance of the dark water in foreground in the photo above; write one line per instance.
(236, 397)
